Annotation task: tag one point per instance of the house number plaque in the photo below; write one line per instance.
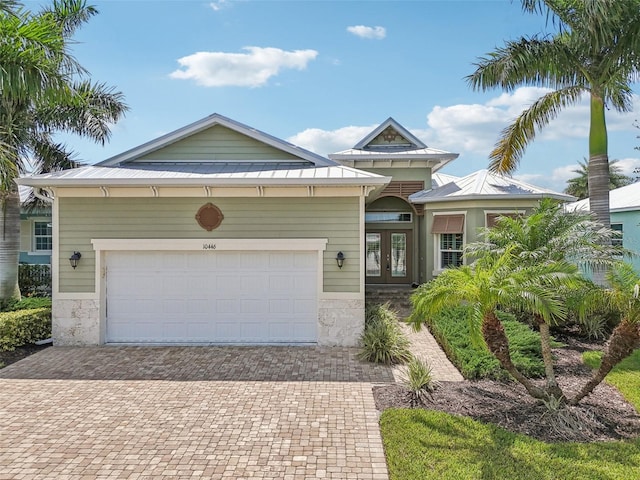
(209, 217)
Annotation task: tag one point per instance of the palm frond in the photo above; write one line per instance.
(514, 139)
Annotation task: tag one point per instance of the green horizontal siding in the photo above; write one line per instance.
(218, 143)
(337, 219)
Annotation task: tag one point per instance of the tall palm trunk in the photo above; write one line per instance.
(624, 340)
(547, 358)
(9, 243)
(599, 171)
(498, 344)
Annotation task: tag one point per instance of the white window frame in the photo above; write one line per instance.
(34, 250)
(438, 268)
(614, 241)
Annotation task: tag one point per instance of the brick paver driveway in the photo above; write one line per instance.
(191, 412)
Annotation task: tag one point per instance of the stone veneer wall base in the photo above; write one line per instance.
(340, 322)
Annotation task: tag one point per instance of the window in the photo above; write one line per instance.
(387, 217)
(492, 218)
(450, 254)
(42, 239)
(448, 230)
(616, 241)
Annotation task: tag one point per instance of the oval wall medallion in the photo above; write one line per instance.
(209, 217)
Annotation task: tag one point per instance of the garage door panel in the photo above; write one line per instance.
(211, 297)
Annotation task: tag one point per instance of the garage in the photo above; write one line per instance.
(246, 297)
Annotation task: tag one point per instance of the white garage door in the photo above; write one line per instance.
(211, 297)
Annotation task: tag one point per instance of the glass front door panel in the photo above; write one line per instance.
(398, 254)
(373, 255)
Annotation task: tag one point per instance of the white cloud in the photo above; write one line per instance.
(362, 31)
(324, 142)
(628, 166)
(475, 128)
(251, 69)
(219, 4)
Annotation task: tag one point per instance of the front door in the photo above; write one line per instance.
(388, 256)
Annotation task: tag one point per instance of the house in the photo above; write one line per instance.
(35, 232)
(624, 207)
(220, 233)
(414, 232)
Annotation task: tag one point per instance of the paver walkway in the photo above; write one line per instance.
(424, 346)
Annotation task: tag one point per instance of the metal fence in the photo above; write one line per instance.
(35, 280)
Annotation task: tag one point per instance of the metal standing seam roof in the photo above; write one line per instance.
(621, 199)
(393, 153)
(484, 184)
(225, 173)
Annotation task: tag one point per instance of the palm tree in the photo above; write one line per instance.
(550, 235)
(623, 296)
(491, 282)
(596, 51)
(42, 91)
(527, 264)
(579, 186)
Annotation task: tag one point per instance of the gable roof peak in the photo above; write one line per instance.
(208, 122)
(390, 130)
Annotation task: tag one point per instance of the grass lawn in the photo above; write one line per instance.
(625, 376)
(423, 444)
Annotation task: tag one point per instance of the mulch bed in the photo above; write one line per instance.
(602, 416)
(7, 358)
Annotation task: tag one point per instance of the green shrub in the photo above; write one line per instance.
(451, 330)
(419, 381)
(383, 341)
(23, 327)
(29, 303)
(594, 327)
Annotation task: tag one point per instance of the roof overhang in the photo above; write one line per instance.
(503, 197)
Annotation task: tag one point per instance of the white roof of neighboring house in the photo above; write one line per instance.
(24, 192)
(484, 185)
(621, 199)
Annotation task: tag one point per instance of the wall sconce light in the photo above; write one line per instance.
(74, 259)
(340, 259)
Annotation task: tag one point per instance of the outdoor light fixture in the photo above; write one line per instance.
(340, 259)
(74, 259)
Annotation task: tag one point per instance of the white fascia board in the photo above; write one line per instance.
(214, 182)
(533, 196)
(207, 122)
(381, 157)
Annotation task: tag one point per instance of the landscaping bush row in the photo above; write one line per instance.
(451, 330)
(23, 327)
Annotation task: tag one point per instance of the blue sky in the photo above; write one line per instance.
(322, 74)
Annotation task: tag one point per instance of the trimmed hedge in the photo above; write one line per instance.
(451, 330)
(23, 327)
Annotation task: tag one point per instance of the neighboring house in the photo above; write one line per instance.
(220, 233)
(624, 207)
(36, 238)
